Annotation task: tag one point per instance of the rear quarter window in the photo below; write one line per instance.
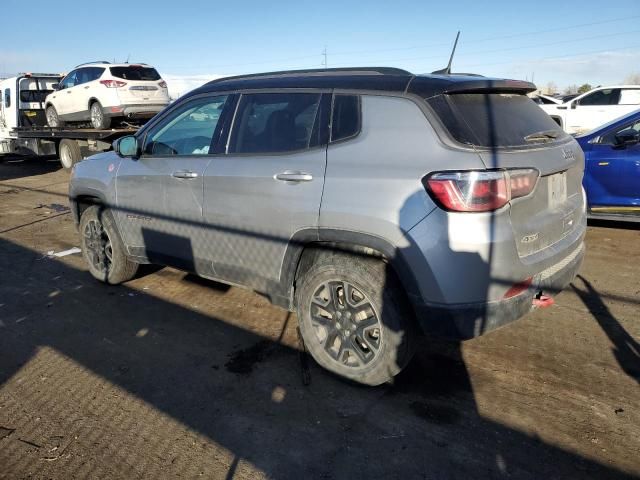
(345, 118)
(494, 120)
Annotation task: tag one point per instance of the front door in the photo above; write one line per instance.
(63, 97)
(268, 186)
(160, 195)
(612, 174)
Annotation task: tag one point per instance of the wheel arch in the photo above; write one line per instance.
(81, 201)
(92, 100)
(305, 244)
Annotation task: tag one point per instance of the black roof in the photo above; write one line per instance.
(367, 78)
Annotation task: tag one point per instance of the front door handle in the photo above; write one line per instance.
(185, 174)
(293, 176)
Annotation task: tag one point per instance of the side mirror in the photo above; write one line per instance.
(55, 86)
(127, 147)
(574, 105)
(627, 137)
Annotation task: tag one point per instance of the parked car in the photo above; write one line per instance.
(595, 107)
(545, 100)
(372, 202)
(566, 98)
(612, 169)
(102, 92)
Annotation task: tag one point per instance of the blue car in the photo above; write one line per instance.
(612, 169)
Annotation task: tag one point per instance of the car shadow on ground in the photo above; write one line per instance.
(239, 389)
(14, 167)
(625, 350)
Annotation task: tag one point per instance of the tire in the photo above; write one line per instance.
(369, 349)
(102, 247)
(99, 120)
(52, 117)
(69, 153)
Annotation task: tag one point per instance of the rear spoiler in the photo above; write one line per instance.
(428, 86)
(486, 85)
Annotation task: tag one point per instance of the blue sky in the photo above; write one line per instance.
(569, 42)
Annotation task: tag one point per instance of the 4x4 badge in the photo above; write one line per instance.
(568, 154)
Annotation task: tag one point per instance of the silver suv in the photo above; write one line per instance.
(375, 203)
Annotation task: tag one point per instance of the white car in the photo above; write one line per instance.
(100, 92)
(595, 107)
(546, 100)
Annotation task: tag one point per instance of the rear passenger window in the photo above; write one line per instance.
(274, 122)
(345, 121)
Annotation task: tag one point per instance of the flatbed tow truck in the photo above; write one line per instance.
(24, 130)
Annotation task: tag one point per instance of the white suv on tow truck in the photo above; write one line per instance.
(101, 92)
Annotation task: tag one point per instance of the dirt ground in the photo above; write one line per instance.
(173, 376)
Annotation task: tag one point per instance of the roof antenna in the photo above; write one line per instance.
(128, 55)
(447, 70)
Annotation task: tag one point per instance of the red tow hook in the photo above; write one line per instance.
(541, 300)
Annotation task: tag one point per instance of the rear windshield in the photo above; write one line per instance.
(135, 72)
(495, 120)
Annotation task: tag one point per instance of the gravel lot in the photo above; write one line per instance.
(174, 376)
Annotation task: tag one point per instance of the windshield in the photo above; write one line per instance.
(496, 120)
(135, 72)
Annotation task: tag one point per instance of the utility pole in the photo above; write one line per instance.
(324, 54)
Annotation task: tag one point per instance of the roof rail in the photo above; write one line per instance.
(89, 63)
(38, 74)
(319, 72)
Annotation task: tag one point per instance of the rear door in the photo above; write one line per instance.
(143, 85)
(159, 195)
(613, 174)
(268, 186)
(511, 132)
(82, 93)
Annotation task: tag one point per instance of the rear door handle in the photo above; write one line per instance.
(293, 176)
(185, 174)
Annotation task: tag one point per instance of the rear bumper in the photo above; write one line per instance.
(133, 111)
(465, 321)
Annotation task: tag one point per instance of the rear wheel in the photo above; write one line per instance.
(99, 120)
(354, 317)
(102, 247)
(69, 153)
(52, 117)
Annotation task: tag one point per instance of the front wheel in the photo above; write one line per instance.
(52, 117)
(354, 318)
(99, 120)
(102, 247)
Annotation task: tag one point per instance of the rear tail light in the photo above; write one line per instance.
(479, 191)
(162, 84)
(113, 83)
